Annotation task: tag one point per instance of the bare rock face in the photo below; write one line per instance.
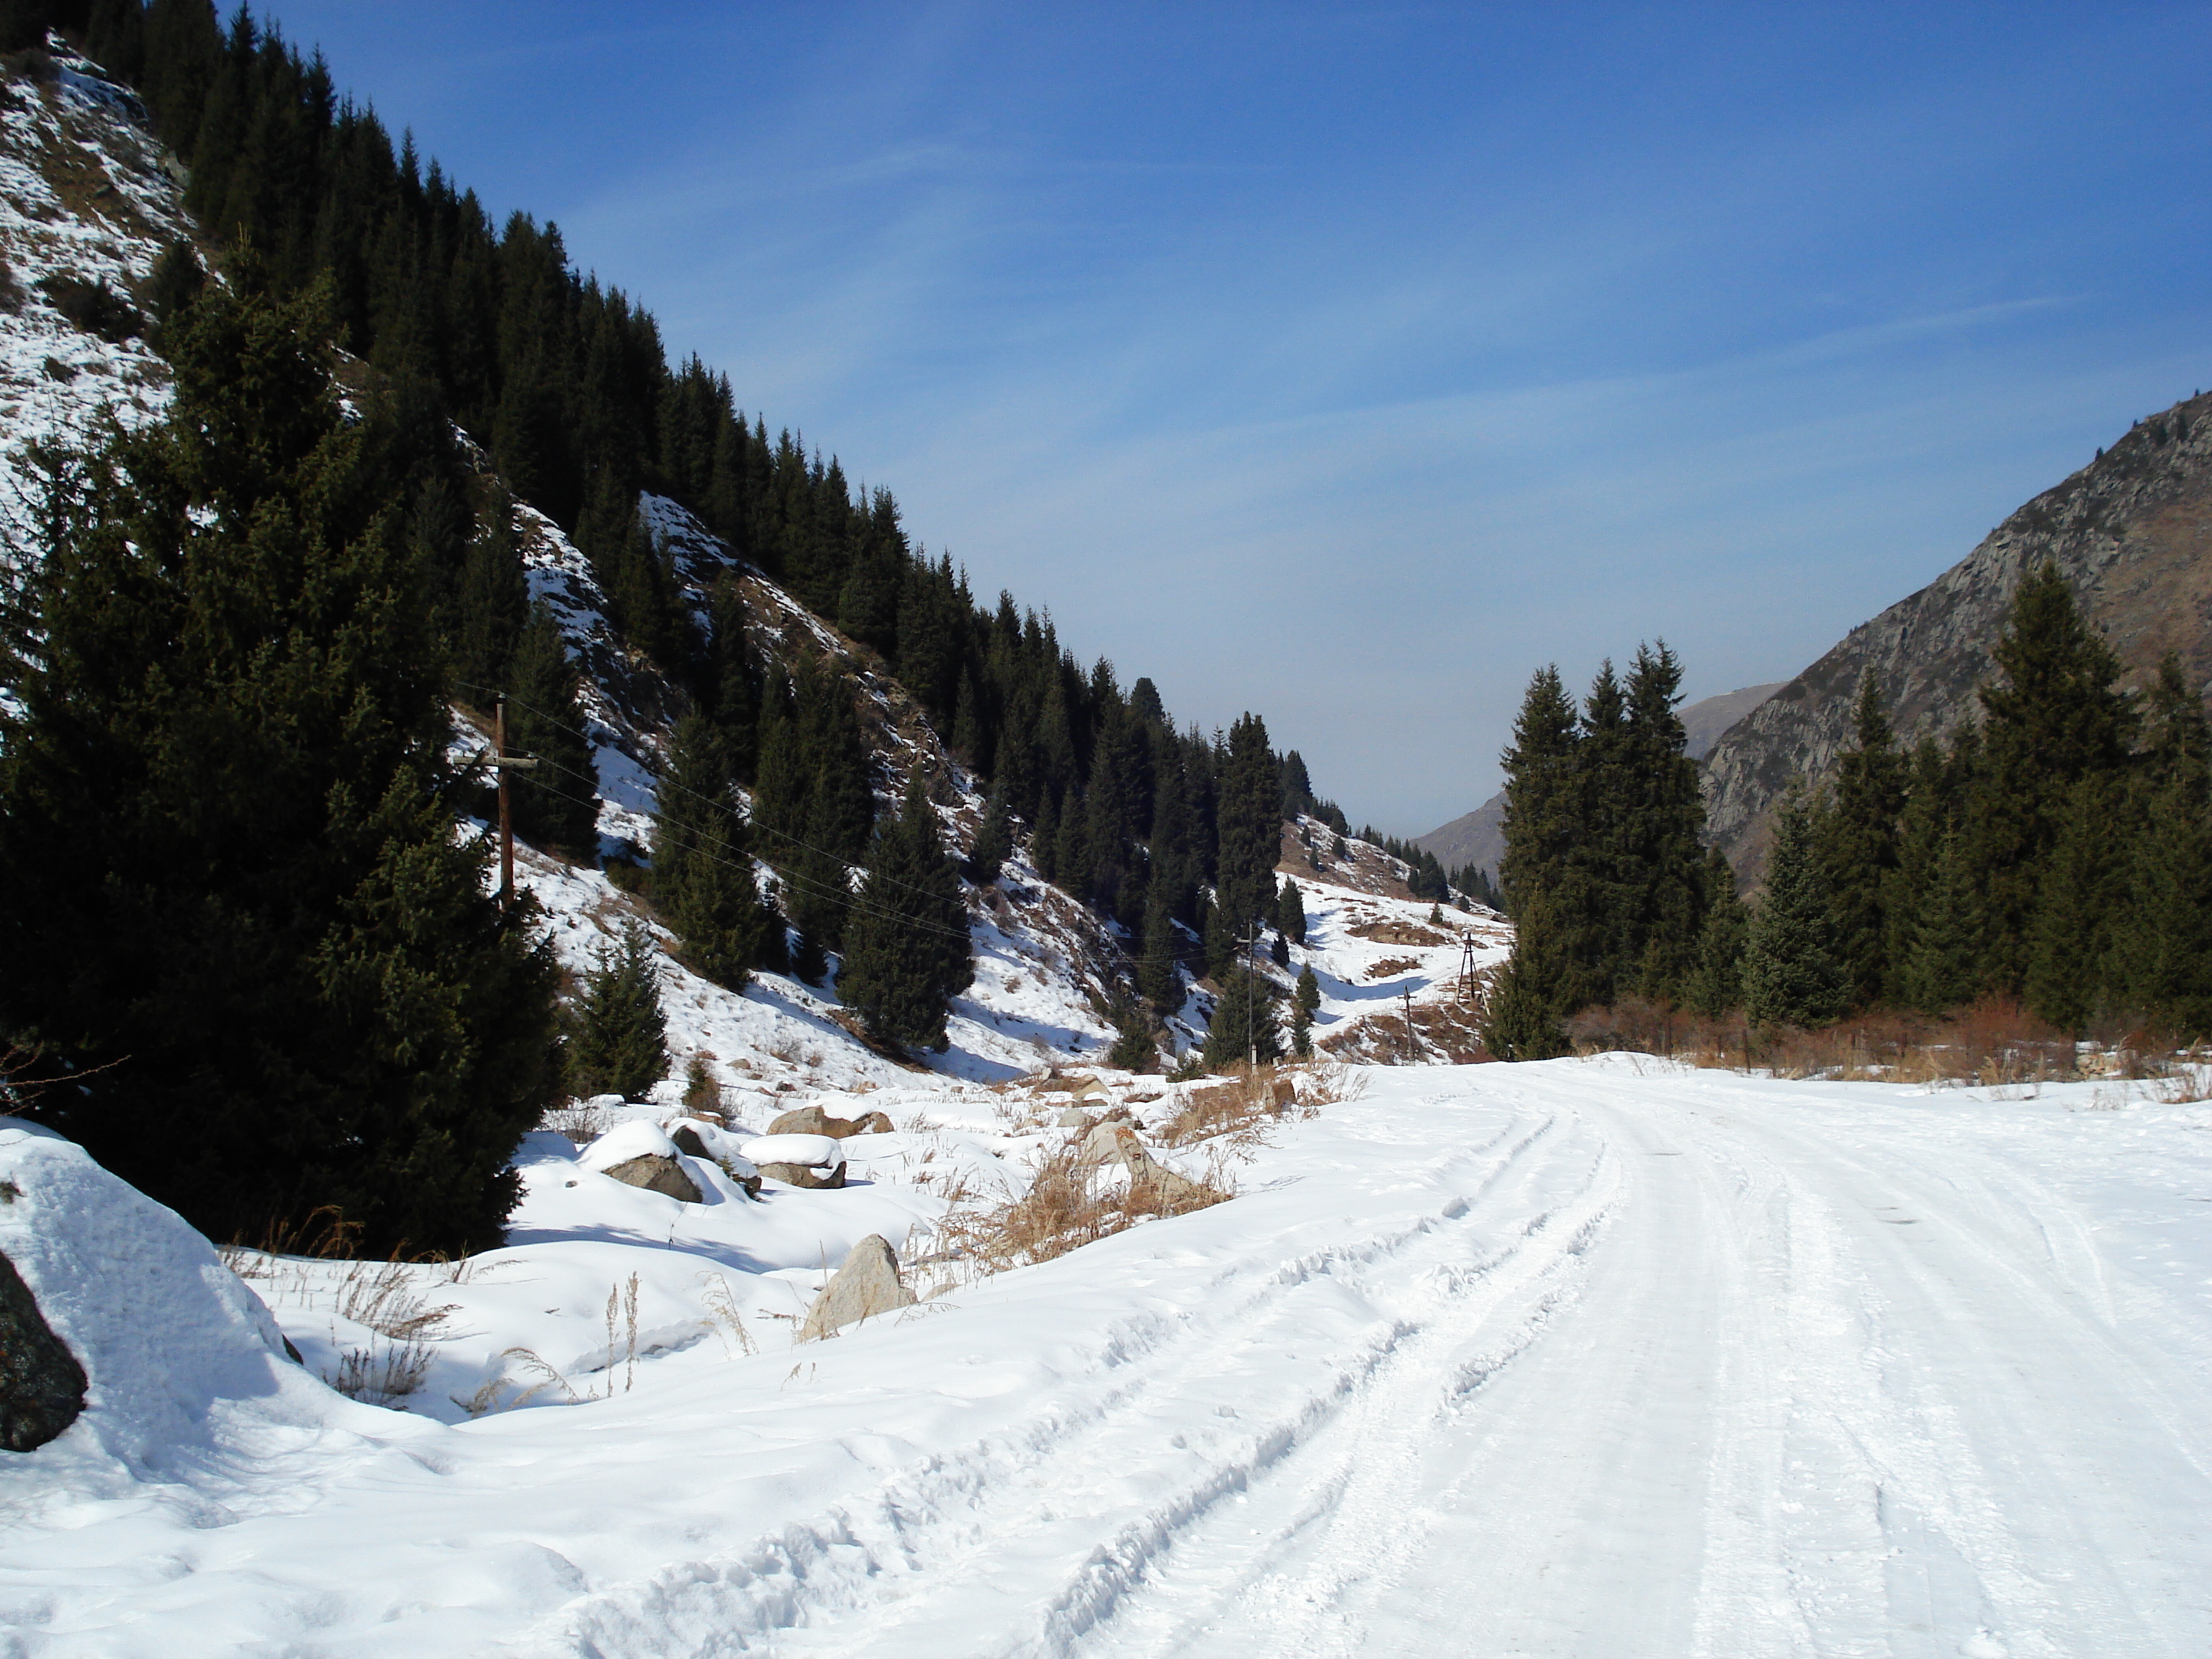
(657, 1174)
(867, 1287)
(803, 1174)
(875, 1123)
(686, 1142)
(2132, 535)
(41, 1384)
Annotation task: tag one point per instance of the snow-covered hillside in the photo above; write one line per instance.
(86, 199)
(1589, 1358)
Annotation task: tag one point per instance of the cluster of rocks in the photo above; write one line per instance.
(800, 1149)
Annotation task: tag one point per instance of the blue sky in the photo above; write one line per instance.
(1348, 362)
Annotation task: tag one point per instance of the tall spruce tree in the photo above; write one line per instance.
(1855, 836)
(702, 875)
(1663, 816)
(1944, 966)
(2055, 716)
(618, 1037)
(907, 947)
(1243, 1022)
(225, 760)
(1543, 828)
(1792, 974)
(1251, 830)
(556, 803)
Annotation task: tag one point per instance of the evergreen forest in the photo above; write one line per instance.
(2056, 851)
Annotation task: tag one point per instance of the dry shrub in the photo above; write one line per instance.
(1065, 1208)
(1994, 1042)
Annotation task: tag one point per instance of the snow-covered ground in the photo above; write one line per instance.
(1596, 1357)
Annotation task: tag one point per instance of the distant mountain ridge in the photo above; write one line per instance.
(1478, 837)
(2132, 535)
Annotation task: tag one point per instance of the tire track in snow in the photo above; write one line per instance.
(870, 1577)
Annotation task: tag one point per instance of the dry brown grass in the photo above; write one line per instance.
(1065, 1208)
(1993, 1044)
(1389, 965)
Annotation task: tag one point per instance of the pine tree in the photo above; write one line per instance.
(1791, 973)
(1663, 817)
(907, 948)
(1543, 828)
(1290, 913)
(1251, 826)
(1854, 835)
(1305, 1002)
(702, 875)
(556, 803)
(491, 608)
(1243, 1022)
(1717, 984)
(1943, 969)
(994, 840)
(2055, 717)
(225, 758)
(1522, 1019)
(618, 1037)
(2071, 969)
(2167, 949)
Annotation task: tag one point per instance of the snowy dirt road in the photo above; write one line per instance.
(1663, 1366)
(1585, 1359)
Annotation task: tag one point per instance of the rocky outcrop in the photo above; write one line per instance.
(2131, 534)
(41, 1384)
(867, 1287)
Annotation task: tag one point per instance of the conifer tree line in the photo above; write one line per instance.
(567, 388)
(1610, 890)
(2056, 849)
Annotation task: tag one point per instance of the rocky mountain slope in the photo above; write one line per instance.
(2131, 533)
(1478, 837)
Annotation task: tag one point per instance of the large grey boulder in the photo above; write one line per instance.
(658, 1174)
(41, 1384)
(867, 1287)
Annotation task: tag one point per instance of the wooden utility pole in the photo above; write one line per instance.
(502, 763)
(1467, 968)
(1412, 1042)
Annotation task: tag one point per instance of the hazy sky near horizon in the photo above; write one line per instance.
(1347, 362)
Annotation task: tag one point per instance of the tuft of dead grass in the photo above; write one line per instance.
(1065, 1206)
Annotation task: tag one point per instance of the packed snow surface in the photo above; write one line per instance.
(1591, 1357)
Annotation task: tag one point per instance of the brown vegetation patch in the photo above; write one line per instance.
(1398, 933)
(1389, 965)
(1065, 1208)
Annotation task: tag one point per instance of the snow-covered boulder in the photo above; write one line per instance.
(810, 1151)
(182, 1361)
(641, 1154)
